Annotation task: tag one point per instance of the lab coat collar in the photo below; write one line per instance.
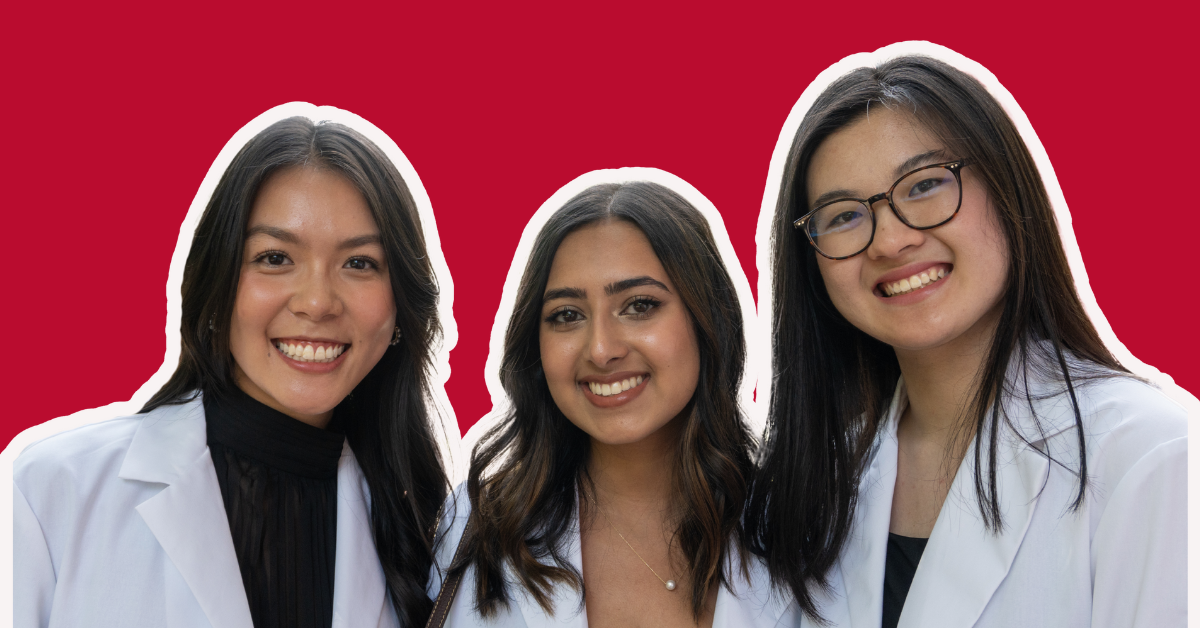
(568, 607)
(963, 562)
(188, 516)
(360, 594)
(750, 602)
(188, 519)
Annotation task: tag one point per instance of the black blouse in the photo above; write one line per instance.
(903, 556)
(278, 478)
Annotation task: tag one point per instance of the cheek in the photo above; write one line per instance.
(674, 353)
(374, 310)
(256, 304)
(841, 283)
(558, 354)
(989, 250)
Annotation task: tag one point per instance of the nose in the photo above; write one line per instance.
(316, 296)
(607, 343)
(892, 236)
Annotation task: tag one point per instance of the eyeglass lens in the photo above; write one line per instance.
(922, 199)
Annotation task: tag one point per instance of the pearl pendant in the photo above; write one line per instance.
(670, 585)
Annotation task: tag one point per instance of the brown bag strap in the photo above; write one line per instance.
(441, 606)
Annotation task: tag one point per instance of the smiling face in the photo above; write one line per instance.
(965, 260)
(617, 343)
(314, 310)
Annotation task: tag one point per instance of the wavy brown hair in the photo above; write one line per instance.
(529, 471)
(388, 423)
(833, 383)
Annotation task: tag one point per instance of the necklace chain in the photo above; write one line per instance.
(669, 584)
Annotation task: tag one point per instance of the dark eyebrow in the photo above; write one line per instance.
(908, 165)
(362, 240)
(618, 287)
(287, 236)
(564, 293)
(274, 232)
(916, 161)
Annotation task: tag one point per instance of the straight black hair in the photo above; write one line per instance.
(388, 420)
(528, 472)
(833, 383)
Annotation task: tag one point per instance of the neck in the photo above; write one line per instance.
(636, 476)
(941, 381)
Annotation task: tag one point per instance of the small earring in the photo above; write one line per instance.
(211, 320)
(396, 337)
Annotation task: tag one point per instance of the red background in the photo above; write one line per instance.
(114, 115)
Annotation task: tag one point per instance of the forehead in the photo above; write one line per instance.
(863, 156)
(314, 201)
(604, 252)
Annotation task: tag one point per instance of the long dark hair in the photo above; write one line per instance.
(833, 383)
(389, 427)
(528, 471)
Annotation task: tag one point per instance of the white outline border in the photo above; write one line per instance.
(441, 410)
(762, 240)
(755, 353)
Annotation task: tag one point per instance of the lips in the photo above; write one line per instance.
(315, 351)
(911, 279)
(616, 389)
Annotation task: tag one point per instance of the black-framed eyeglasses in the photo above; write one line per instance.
(925, 198)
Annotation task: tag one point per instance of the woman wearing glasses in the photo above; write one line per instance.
(611, 493)
(287, 473)
(950, 443)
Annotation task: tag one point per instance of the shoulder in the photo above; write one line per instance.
(1130, 415)
(90, 447)
(91, 451)
(452, 522)
(1131, 430)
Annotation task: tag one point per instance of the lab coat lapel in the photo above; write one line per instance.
(568, 611)
(749, 603)
(188, 517)
(964, 563)
(862, 561)
(360, 596)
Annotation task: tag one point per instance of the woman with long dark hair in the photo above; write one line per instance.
(950, 443)
(287, 473)
(610, 491)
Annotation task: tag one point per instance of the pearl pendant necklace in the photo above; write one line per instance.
(669, 584)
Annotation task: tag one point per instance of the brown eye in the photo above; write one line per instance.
(641, 307)
(562, 317)
(272, 258)
(361, 263)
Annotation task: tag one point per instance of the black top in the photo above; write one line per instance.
(278, 480)
(903, 556)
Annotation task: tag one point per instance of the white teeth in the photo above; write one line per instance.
(615, 388)
(309, 353)
(909, 284)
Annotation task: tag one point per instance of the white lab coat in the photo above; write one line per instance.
(1119, 561)
(121, 524)
(750, 605)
